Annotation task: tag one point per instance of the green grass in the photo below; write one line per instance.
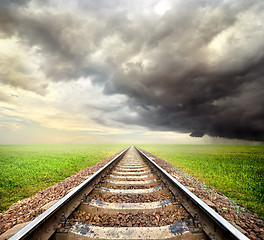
(27, 169)
(235, 170)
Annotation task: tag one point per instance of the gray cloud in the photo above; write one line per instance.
(5, 3)
(5, 97)
(195, 69)
(15, 72)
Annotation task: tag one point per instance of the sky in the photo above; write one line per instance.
(137, 71)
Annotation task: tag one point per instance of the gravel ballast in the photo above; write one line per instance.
(131, 198)
(156, 219)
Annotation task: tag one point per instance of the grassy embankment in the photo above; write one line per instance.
(27, 169)
(237, 171)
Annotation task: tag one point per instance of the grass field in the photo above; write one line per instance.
(235, 170)
(27, 169)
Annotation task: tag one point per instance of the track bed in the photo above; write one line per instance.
(130, 198)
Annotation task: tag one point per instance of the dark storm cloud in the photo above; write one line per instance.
(196, 69)
(184, 92)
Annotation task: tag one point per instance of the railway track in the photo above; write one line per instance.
(131, 197)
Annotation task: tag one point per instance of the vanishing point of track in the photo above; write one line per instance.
(131, 197)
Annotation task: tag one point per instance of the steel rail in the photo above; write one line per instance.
(220, 228)
(59, 209)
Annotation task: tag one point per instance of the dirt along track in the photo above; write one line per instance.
(131, 201)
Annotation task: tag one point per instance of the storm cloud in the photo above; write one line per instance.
(186, 66)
